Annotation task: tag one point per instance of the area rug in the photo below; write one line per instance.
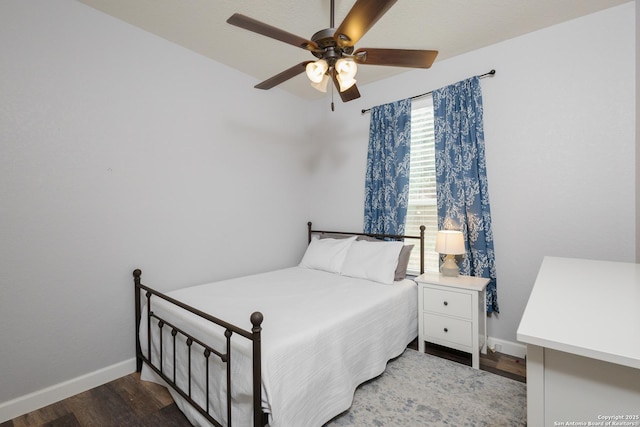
(418, 389)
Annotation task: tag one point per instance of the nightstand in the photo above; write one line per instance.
(452, 312)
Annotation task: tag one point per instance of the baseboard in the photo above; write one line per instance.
(507, 347)
(41, 398)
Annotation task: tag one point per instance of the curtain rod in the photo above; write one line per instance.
(490, 73)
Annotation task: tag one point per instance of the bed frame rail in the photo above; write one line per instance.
(224, 355)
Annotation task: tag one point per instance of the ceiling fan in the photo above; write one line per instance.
(334, 49)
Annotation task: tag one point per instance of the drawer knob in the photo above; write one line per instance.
(446, 329)
(446, 303)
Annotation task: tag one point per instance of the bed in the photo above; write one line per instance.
(310, 334)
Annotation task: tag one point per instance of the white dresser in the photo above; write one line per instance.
(582, 330)
(452, 312)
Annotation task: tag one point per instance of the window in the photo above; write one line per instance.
(423, 208)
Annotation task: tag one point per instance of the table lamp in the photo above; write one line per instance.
(450, 243)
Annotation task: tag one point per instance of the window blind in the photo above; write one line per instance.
(423, 208)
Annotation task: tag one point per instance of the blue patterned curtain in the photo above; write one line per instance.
(461, 178)
(387, 180)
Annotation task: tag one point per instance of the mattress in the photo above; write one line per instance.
(323, 334)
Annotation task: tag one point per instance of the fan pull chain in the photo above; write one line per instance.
(332, 105)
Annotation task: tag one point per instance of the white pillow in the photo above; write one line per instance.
(326, 254)
(375, 261)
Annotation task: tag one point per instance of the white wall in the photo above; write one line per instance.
(120, 150)
(559, 129)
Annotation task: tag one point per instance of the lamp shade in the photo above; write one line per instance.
(450, 242)
(316, 70)
(346, 69)
(345, 83)
(322, 86)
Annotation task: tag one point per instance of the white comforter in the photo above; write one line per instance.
(323, 334)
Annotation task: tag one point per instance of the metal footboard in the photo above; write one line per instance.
(225, 356)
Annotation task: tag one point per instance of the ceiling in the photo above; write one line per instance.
(452, 27)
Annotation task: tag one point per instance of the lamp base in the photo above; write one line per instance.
(449, 267)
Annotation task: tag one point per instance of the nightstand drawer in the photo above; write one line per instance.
(447, 329)
(450, 303)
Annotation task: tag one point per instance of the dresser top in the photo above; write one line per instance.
(462, 282)
(585, 307)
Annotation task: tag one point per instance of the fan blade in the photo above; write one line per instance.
(396, 57)
(283, 76)
(251, 24)
(349, 94)
(362, 16)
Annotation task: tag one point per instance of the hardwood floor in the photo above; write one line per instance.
(498, 363)
(130, 402)
(127, 401)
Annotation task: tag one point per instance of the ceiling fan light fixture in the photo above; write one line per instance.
(345, 83)
(316, 70)
(322, 85)
(346, 68)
